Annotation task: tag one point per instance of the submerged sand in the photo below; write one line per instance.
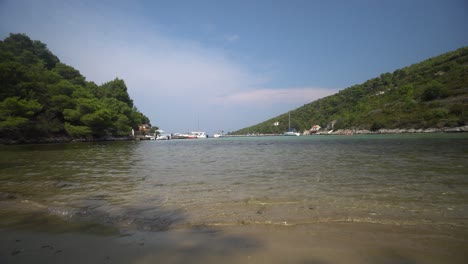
(317, 243)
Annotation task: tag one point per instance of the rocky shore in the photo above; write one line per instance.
(396, 131)
(51, 140)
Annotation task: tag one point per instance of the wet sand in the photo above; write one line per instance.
(317, 243)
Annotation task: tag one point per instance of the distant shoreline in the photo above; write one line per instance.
(397, 131)
(461, 129)
(56, 140)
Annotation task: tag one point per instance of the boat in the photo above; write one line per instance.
(197, 134)
(190, 135)
(179, 136)
(149, 137)
(163, 137)
(291, 132)
(159, 136)
(219, 134)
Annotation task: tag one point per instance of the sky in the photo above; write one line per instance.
(223, 65)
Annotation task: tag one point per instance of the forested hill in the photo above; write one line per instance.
(42, 98)
(429, 94)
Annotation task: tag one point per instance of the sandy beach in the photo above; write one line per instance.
(319, 243)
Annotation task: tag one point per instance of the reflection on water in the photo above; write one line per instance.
(391, 179)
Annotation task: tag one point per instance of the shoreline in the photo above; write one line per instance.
(59, 140)
(461, 129)
(350, 131)
(318, 243)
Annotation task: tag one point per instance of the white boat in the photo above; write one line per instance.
(290, 132)
(198, 134)
(163, 137)
(159, 136)
(190, 135)
(218, 135)
(149, 137)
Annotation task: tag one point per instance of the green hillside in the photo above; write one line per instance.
(42, 98)
(429, 94)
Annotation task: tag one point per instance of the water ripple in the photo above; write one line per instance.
(156, 186)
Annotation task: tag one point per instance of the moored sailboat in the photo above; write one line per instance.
(291, 132)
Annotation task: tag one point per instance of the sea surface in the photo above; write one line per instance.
(407, 179)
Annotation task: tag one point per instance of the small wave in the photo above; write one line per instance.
(62, 212)
(67, 185)
(284, 223)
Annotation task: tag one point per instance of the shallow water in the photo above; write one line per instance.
(161, 185)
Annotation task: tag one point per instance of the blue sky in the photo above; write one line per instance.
(225, 65)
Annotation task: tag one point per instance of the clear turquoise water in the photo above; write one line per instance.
(160, 185)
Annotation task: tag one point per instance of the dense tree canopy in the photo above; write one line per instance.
(40, 97)
(430, 94)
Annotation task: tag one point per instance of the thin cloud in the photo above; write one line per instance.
(231, 38)
(284, 95)
(208, 28)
